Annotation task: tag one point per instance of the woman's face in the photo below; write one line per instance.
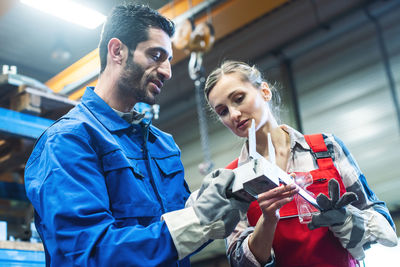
(237, 102)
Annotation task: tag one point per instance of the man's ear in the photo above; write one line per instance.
(266, 91)
(116, 51)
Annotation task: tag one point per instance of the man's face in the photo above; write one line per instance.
(147, 67)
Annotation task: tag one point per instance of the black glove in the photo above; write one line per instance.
(333, 210)
(351, 225)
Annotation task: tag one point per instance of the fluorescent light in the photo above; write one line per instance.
(69, 11)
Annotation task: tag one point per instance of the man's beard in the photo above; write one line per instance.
(130, 82)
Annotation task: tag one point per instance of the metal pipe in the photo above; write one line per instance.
(287, 64)
(386, 61)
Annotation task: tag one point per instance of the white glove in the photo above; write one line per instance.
(211, 216)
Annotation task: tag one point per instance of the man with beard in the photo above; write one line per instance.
(109, 189)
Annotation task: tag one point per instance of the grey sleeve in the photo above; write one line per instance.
(238, 251)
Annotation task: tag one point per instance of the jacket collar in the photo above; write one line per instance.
(104, 113)
(296, 138)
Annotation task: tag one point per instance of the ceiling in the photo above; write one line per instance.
(30, 39)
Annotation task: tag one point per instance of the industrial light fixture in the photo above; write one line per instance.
(69, 11)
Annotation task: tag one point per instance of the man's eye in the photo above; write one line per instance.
(156, 56)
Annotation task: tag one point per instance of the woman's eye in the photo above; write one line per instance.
(222, 112)
(239, 98)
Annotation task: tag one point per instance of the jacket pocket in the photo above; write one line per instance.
(173, 186)
(129, 192)
(319, 185)
(169, 166)
(117, 160)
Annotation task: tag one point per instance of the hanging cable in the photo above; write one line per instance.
(197, 40)
(196, 73)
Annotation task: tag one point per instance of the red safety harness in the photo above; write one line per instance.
(294, 244)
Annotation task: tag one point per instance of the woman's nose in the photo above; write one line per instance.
(235, 114)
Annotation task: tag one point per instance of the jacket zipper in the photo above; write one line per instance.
(145, 128)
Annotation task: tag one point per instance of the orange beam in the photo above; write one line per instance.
(226, 18)
(75, 72)
(176, 8)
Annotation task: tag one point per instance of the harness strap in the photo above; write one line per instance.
(319, 150)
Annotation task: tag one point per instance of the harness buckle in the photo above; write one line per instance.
(321, 155)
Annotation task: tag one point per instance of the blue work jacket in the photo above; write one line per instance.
(99, 186)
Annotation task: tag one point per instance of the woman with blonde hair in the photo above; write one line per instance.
(351, 218)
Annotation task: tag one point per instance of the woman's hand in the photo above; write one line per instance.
(271, 201)
(260, 241)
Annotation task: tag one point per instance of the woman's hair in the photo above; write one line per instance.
(248, 74)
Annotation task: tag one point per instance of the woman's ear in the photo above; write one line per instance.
(115, 50)
(266, 91)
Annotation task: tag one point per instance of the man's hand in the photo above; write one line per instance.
(212, 204)
(209, 215)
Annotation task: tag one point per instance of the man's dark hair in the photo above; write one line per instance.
(130, 23)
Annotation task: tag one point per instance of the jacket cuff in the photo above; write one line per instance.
(252, 258)
(364, 227)
(351, 233)
(186, 231)
(378, 229)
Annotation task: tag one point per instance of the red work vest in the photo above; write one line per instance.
(294, 244)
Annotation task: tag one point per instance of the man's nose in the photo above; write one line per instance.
(165, 70)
